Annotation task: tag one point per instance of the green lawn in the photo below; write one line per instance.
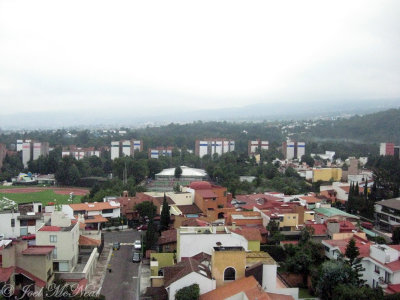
(43, 197)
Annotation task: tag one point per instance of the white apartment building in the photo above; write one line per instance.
(61, 233)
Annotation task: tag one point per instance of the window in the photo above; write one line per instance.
(107, 211)
(12, 222)
(63, 266)
(229, 274)
(23, 222)
(387, 277)
(376, 269)
(23, 231)
(55, 253)
(53, 239)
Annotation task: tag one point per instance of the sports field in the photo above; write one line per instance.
(13, 195)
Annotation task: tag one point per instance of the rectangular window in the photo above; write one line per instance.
(63, 266)
(23, 231)
(23, 222)
(12, 222)
(376, 269)
(107, 211)
(55, 253)
(53, 239)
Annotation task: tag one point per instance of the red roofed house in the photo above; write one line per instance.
(381, 262)
(167, 240)
(23, 265)
(211, 199)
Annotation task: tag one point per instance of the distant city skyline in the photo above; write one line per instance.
(179, 56)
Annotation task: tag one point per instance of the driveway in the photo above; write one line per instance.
(122, 282)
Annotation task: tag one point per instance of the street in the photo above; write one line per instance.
(122, 282)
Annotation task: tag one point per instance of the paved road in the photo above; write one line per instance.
(122, 282)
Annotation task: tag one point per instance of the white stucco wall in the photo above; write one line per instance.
(205, 284)
(191, 244)
(5, 224)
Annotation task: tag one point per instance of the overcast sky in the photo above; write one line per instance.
(149, 55)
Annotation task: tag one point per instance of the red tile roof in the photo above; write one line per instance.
(5, 273)
(50, 228)
(92, 206)
(250, 234)
(310, 199)
(86, 241)
(167, 237)
(247, 285)
(393, 288)
(38, 250)
(206, 193)
(200, 185)
(189, 209)
(394, 265)
(362, 245)
(319, 229)
(95, 219)
(396, 247)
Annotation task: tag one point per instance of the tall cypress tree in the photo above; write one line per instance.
(165, 215)
(350, 202)
(356, 190)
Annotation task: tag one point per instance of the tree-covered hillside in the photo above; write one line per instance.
(378, 127)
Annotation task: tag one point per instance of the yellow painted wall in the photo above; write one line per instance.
(164, 259)
(308, 217)
(254, 245)
(221, 260)
(327, 174)
(289, 220)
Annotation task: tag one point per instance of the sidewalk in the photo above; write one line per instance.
(95, 284)
(145, 276)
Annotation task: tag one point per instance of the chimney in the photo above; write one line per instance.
(125, 194)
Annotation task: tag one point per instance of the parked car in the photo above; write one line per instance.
(142, 227)
(137, 245)
(29, 237)
(116, 246)
(136, 257)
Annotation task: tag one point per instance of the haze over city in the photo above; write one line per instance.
(149, 59)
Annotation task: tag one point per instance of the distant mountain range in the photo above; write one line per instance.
(254, 112)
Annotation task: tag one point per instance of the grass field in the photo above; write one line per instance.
(43, 196)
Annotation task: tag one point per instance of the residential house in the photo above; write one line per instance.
(381, 262)
(110, 209)
(211, 199)
(324, 214)
(64, 234)
(388, 214)
(192, 240)
(167, 241)
(186, 272)
(26, 266)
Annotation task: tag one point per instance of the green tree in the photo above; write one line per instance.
(349, 292)
(352, 253)
(146, 209)
(151, 235)
(178, 172)
(191, 292)
(165, 214)
(330, 275)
